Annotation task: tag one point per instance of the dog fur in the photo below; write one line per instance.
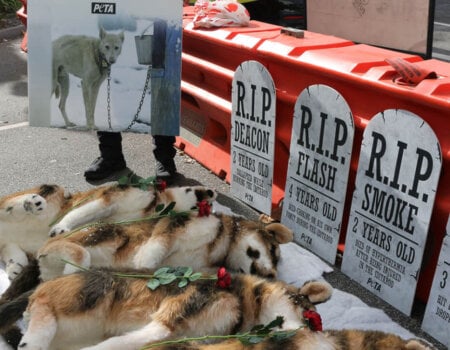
(305, 339)
(87, 58)
(239, 244)
(102, 310)
(26, 217)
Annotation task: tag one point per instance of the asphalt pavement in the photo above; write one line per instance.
(31, 156)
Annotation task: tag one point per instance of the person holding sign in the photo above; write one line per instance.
(166, 126)
(112, 160)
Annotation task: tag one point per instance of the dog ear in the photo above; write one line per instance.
(102, 33)
(281, 233)
(122, 35)
(317, 291)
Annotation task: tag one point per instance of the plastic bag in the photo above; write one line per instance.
(220, 13)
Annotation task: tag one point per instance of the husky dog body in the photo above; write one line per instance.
(26, 217)
(239, 244)
(87, 58)
(305, 339)
(100, 307)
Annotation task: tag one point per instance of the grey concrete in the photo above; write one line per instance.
(31, 156)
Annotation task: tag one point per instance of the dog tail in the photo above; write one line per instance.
(26, 280)
(14, 300)
(12, 338)
(11, 311)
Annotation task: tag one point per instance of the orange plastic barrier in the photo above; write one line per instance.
(370, 85)
(209, 60)
(359, 72)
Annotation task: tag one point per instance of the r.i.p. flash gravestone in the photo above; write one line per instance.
(396, 183)
(253, 135)
(320, 154)
(436, 320)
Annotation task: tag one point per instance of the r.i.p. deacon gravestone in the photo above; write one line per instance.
(396, 181)
(253, 135)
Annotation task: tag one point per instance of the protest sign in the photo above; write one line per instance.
(111, 66)
(253, 135)
(320, 155)
(436, 320)
(396, 181)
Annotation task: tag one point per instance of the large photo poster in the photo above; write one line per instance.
(111, 66)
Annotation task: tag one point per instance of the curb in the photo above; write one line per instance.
(12, 32)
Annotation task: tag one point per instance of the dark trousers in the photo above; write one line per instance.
(110, 145)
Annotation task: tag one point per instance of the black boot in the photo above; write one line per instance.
(111, 158)
(164, 153)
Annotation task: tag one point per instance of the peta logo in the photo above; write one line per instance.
(107, 8)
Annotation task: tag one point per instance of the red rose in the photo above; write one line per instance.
(161, 185)
(204, 208)
(223, 278)
(313, 320)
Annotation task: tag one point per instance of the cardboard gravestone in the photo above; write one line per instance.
(253, 135)
(396, 182)
(111, 66)
(436, 320)
(320, 155)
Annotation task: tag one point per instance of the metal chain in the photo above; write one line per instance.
(141, 102)
(108, 98)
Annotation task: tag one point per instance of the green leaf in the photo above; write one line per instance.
(124, 180)
(162, 270)
(153, 283)
(168, 208)
(278, 322)
(159, 208)
(250, 339)
(167, 278)
(188, 272)
(183, 283)
(255, 340)
(257, 328)
(280, 336)
(195, 276)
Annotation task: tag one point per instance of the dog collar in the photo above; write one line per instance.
(103, 62)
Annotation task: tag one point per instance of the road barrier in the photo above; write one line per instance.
(359, 72)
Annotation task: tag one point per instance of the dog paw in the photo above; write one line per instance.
(13, 269)
(34, 204)
(58, 230)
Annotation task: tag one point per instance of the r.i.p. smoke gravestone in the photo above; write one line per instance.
(320, 155)
(396, 183)
(436, 320)
(253, 135)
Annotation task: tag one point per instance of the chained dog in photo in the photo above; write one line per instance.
(87, 58)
